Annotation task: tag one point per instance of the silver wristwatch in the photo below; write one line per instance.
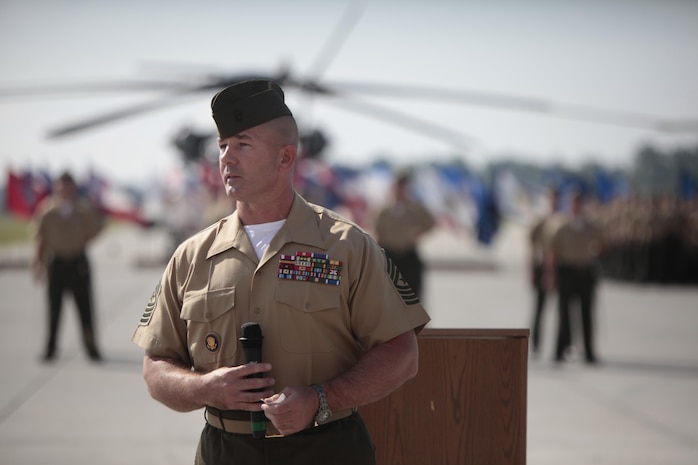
(324, 413)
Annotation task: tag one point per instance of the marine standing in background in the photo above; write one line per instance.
(64, 226)
(572, 267)
(398, 227)
(538, 246)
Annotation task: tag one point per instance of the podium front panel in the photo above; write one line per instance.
(467, 404)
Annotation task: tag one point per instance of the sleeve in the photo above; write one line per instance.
(534, 233)
(382, 304)
(161, 331)
(97, 220)
(36, 224)
(551, 233)
(427, 219)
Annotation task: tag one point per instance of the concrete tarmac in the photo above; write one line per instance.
(638, 407)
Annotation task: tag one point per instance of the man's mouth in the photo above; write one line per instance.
(228, 177)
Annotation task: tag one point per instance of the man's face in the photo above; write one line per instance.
(250, 163)
(64, 189)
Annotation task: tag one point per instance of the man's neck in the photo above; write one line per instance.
(260, 213)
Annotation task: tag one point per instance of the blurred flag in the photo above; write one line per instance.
(604, 185)
(445, 190)
(688, 187)
(460, 199)
(114, 201)
(488, 214)
(512, 197)
(566, 184)
(24, 191)
(609, 186)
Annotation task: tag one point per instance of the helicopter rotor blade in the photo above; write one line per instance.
(329, 52)
(171, 98)
(183, 70)
(527, 104)
(85, 89)
(111, 117)
(176, 89)
(335, 42)
(405, 121)
(679, 125)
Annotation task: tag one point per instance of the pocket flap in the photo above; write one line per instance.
(308, 297)
(208, 306)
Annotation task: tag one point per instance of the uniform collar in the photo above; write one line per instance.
(301, 227)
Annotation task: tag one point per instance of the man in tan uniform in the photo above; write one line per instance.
(399, 226)
(64, 225)
(338, 321)
(572, 266)
(537, 250)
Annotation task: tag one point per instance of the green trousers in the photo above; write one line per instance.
(342, 442)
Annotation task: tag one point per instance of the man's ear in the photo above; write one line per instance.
(288, 156)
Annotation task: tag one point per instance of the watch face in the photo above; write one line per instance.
(323, 416)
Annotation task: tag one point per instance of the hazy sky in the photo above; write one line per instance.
(631, 56)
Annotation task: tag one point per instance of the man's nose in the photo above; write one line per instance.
(227, 156)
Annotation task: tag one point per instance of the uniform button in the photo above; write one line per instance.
(307, 305)
(257, 310)
(208, 315)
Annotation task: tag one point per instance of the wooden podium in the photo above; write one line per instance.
(467, 405)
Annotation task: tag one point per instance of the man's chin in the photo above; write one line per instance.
(231, 191)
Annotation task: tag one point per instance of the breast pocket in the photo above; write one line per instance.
(211, 327)
(311, 316)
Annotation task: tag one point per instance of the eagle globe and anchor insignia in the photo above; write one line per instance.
(213, 342)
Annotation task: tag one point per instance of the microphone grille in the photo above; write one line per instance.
(251, 330)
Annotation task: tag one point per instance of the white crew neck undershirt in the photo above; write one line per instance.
(261, 235)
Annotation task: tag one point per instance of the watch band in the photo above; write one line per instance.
(324, 413)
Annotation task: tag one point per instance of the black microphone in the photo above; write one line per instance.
(251, 340)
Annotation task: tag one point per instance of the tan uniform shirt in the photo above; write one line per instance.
(398, 227)
(576, 242)
(313, 331)
(539, 237)
(66, 229)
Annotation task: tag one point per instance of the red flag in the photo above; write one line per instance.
(115, 201)
(24, 192)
